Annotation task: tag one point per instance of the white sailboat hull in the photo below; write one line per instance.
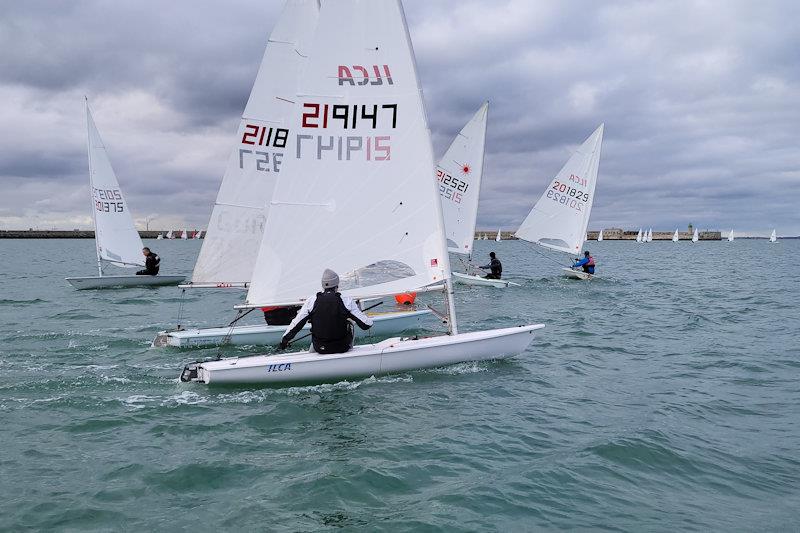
(108, 282)
(467, 279)
(387, 357)
(262, 334)
(576, 274)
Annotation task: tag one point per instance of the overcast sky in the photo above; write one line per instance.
(701, 102)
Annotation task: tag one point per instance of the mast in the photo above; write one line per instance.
(91, 196)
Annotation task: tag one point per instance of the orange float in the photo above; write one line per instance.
(406, 298)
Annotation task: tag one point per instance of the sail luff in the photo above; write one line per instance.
(91, 193)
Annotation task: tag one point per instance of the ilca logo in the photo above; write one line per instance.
(363, 76)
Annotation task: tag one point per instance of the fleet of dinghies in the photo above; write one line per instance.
(402, 208)
(116, 240)
(559, 219)
(235, 230)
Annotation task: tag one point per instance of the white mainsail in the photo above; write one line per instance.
(600, 236)
(675, 236)
(773, 237)
(639, 236)
(184, 235)
(116, 238)
(170, 235)
(695, 236)
(559, 219)
(650, 235)
(264, 141)
(459, 175)
(730, 236)
(499, 236)
(356, 192)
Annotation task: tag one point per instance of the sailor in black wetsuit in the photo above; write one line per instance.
(496, 267)
(328, 311)
(151, 263)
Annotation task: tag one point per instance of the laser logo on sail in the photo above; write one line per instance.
(363, 76)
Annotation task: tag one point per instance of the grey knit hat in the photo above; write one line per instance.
(330, 279)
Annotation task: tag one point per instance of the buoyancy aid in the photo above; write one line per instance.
(329, 318)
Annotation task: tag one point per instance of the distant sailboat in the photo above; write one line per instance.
(639, 236)
(116, 240)
(497, 239)
(696, 236)
(160, 236)
(730, 236)
(773, 237)
(170, 235)
(184, 236)
(675, 236)
(559, 219)
(600, 236)
(650, 235)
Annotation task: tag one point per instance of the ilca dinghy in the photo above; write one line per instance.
(559, 219)
(360, 182)
(459, 175)
(116, 240)
(235, 230)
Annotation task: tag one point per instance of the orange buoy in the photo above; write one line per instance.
(407, 298)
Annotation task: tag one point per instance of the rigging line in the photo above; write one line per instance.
(227, 338)
(540, 252)
(180, 309)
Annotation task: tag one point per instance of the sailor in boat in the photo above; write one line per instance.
(330, 314)
(151, 263)
(280, 316)
(587, 263)
(495, 266)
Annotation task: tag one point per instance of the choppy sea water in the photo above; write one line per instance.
(663, 396)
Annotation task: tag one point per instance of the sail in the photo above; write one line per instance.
(695, 236)
(459, 175)
(675, 236)
(773, 237)
(600, 236)
(639, 236)
(263, 142)
(116, 238)
(356, 193)
(730, 236)
(650, 235)
(560, 217)
(499, 236)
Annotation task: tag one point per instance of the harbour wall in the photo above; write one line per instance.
(71, 234)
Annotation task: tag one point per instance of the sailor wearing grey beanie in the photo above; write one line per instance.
(330, 314)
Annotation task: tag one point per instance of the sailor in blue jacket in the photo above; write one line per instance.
(587, 263)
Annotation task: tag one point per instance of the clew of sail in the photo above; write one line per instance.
(459, 175)
(263, 141)
(355, 194)
(116, 237)
(560, 217)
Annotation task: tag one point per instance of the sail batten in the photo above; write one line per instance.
(562, 212)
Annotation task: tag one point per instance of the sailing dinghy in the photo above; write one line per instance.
(600, 236)
(695, 236)
(459, 175)
(116, 240)
(236, 227)
(639, 236)
(559, 219)
(773, 237)
(675, 236)
(380, 180)
(730, 236)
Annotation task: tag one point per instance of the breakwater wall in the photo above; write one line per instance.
(70, 234)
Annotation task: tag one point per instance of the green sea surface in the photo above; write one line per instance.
(662, 396)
